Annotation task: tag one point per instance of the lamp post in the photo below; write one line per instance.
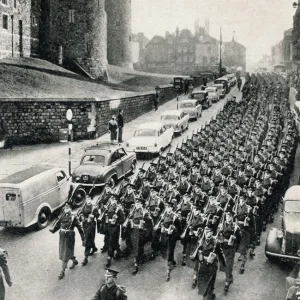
(69, 116)
(220, 64)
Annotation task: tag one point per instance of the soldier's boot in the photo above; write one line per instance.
(153, 255)
(94, 250)
(242, 268)
(252, 253)
(226, 287)
(168, 275)
(85, 261)
(194, 283)
(108, 262)
(61, 275)
(240, 258)
(271, 218)
(264, 226)
(184, 260)
(118, 254)
(258, 240)
(74, 263)
(135, 269)
(104, 249)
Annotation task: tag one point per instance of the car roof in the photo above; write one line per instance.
(223, 79)
(171, 112)
(151, 125)
(211, 87)
(293, 193)
(104, 146)
(218, 84)
(26, 174)
(189, 101)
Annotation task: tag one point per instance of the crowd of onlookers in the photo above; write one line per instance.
(294, 78)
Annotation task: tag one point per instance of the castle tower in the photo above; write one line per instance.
(119, 35)
(76, 33)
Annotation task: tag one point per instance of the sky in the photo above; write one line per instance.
(257, 24)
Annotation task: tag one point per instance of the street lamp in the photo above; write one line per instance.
(295, 4)
(69, 116)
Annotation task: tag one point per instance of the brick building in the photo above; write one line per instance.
(15, 28)
(85, 34)
(234, 55)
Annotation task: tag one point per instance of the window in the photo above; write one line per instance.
(33, 21)
(71, 16)
(5, 21)
(60, 176)
(117, 155)
(130, 38)
(4, 2)
(93, 159)
(15, 3)
(10, 197)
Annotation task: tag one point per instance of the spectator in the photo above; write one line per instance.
(120, 126)
(155, 101)
(5, 270)
(113, 129)
(191, 88)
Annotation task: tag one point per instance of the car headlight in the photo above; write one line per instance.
(155, 144)
(77, 178)
(280, 234)
(98, 176)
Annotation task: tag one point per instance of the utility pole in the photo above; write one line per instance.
(220, 66)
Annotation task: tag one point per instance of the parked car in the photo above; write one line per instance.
(221, 89)
(201, 95)
(152, 137)
(231, 79)
(285, 243)
(30, 196)
(225, 82)
(191, 108)
(176, 119)
(213, 93)
(104, 163)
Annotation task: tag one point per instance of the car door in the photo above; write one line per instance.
(63, 186)
(126, 160)
(116, 163)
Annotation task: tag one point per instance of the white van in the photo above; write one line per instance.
(30, 196)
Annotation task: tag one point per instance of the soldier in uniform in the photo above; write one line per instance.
(209, 254)
(89, 215)
(67, 223)
(244, 220)
(199, 198)
(151, 173)
(194, 175)
(229, 237)
(110, 290)
(207, 185)
(170, 230)
(183, 186)
(114, 218)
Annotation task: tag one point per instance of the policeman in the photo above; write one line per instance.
(110, 290)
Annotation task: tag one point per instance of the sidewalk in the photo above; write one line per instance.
(23, 157)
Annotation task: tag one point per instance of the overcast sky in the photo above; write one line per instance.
(258, 24)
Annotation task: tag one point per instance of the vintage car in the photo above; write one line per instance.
(225, 82)
(231, 79)
(221, 89)
(103, 163)
(152, 137)
(201, 95)
(285, 243)
(176, 119)
(191, 108)
(213, 93)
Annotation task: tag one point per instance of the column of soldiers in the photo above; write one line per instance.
(215, 194)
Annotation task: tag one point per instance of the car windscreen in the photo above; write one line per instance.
(93, 159)
(169, 118)
(187, 105)
(198, 96)
(220, 81)
(145, 132)
(292, 206)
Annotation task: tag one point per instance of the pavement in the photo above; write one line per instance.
(33, 255)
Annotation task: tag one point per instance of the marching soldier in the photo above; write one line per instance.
(151, 173)
(194, 175)
(88, 217)
(183, 186)
(170, 229)
(199, 198)
(207, 185)
(229, 237)
(114, 218)
(67, 223)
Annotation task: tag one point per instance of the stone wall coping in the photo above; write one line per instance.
(92, 99)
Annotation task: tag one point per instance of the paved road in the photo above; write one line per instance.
(33, 255)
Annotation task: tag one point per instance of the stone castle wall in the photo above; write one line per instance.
(30, 121)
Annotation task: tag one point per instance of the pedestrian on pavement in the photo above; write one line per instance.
(5, 270)
(205, 81)
(110, 290)
(191, 88)
(67, 223)
(155, 101)
(113, 129)
(120, 126)
(186, 86)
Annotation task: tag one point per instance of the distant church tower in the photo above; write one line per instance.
(119, 35)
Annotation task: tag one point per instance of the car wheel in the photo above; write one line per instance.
(43, 218)
(111, 182)
(271, 259)
(133, 167)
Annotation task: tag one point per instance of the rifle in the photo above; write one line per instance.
(188, 222)
(130, 215)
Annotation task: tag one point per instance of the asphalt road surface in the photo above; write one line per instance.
(33, 255)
